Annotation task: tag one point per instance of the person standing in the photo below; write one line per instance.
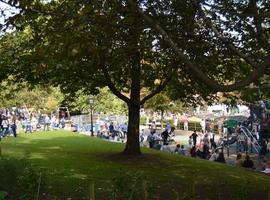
(206, 140)
(124, 129)
(241, 142)
(263, 150)
(185, 123)
(165, 136)
(153, 127)
(194, 136)
(168, 128)
(175, 121)
(1, 126)
(5, 125)
(63, 123)
(212, 129)
(13, 125)
(150, 140)
(47, 123)
(34, 123)
(112, 130)
(213, 144)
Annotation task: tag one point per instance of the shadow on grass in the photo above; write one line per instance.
(74, 167)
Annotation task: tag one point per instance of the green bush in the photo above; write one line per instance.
(3, 195)
(127, 186)
(170, 121)
(142, 120)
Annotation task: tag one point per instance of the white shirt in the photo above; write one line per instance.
(5, 123)
(267, 171)
(47, 120)
(213, 157)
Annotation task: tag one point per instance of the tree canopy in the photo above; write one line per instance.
(196, 48)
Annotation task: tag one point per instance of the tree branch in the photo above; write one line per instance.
(222, 38)
(157, 90)
(213, 6)
(111, 85)
(257, 19)
(259, 71)
(260, 35)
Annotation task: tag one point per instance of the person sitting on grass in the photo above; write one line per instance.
(266, 167)
(214, 156)
(239, 161)
(99, 134)
(221, 158)
(74, 127)
(193, 152)
(183, 150)
(199, 153)
(248, 163)
(177, 148)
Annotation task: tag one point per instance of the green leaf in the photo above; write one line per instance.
(3, 195)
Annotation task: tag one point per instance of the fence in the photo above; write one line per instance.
(192, 126)
(83, 122)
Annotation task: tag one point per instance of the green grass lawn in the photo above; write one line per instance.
(72, 166)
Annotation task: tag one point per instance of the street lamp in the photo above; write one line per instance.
(91, 103)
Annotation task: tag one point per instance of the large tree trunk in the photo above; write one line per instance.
(133, 146)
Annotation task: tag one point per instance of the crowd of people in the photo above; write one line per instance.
(12, 121)
(200, 145)
(155, 139)
(208, 149)
(205, 146)
(113, 131)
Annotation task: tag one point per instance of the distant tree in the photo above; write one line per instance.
(104, 102)
(107, 102)
(23, 95)
(160, 102)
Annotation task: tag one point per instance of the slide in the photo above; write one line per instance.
(231, 140)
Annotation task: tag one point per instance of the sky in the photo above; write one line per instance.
(7, 10)
(2, 7)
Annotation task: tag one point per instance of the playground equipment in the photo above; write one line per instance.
(63, 112)
(251, 137)
(254, 143)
